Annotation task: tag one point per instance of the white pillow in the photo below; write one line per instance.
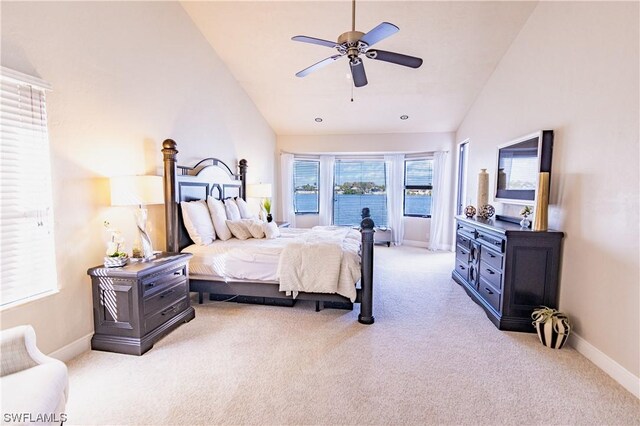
(245, 211)
(218, 217)
(239, 229)
(197, 220)
(255, 227)
(231, 208)
(271, 230)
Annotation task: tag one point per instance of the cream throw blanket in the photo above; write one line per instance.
(323, 260)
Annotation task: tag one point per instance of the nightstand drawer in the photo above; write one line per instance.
(491, 241)
(164, 315)
(463, 269)
(160, 282)
(463, 240)
(165, 298)
(491, 275)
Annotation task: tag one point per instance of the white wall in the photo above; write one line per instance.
(416, 229)
(574, 69)
(125, 76)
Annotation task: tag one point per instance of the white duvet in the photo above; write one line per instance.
(321, 260)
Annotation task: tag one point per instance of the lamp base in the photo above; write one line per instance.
(146, 248)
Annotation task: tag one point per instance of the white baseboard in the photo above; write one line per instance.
(414, 243)
(73, 349)
(606, 364)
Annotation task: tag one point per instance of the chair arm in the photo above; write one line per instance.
(19, 351)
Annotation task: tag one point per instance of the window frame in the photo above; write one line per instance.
(363, 159)
(418, 187)
(306, 160)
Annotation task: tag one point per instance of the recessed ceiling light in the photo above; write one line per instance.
(404, 117)
(318, 119)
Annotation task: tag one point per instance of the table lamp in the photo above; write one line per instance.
(261, 190)
(140, 191)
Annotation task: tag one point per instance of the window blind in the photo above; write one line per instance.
(306, 177)
(27, 244)
(359, 184)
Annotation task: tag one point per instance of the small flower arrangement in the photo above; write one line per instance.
(115, 246)
(267, 205)
(526, 211)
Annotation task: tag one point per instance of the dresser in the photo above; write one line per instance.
(507, 270)
(136, 305)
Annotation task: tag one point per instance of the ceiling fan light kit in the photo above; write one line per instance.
(353, 44)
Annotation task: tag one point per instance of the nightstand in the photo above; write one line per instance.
(282, 224)
(136, 305)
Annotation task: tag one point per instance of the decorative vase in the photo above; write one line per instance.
(469, 211)
(525, 222)
(553, 327)
(483, 188)
(269, 217)
(541, 218)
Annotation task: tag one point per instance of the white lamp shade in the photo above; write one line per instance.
(259, 190)
(136, 190)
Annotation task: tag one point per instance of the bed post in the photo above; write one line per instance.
(366, 282)
(243, 178)
(170, 152)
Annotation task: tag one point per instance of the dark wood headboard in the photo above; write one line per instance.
(210, 177)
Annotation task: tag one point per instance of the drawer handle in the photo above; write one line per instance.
(176, 273)
(490, 271)
(461, 267)
(166, 293)
(488, 290)
(168, 311)
(492, 255)
(150, 285)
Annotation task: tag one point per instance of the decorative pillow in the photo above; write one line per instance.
(271, 230)
(245, 211)
(218, 217)
(231, 208)
(197, 220)
(239, 229)
(255, 227)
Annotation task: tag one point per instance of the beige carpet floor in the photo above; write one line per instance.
(432, 357)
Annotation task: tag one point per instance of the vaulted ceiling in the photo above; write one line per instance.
(461, 43)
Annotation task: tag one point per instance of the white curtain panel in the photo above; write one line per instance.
(395, 193)
(327, 163)
(438, 231)
(286, 187)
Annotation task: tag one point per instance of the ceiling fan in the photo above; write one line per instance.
(354, 43)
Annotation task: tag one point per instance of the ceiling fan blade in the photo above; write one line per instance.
(380, 32)
(313, 40)
(395, 58)
(317, 65)
(357, 71)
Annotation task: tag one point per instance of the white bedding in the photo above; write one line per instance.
(258, 260)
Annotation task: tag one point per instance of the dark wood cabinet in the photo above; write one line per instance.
(507, 270)
(136, 305)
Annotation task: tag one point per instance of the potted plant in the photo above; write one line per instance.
(525, 213)
(553, 327)
(266, 204)
(115, 254)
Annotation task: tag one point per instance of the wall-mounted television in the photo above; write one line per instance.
(519, 162)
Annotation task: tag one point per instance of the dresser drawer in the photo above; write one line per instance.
(164, 298)
(491, 275)
(494, 259)
(463, 254)
(490, 294)
(157, 319)
(463, 269)
(159, 282)
(492, 241)
(463, 240)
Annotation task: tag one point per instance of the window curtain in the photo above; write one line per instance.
(395, 192)
(327, 163)
(438, 232)
(286, 189)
